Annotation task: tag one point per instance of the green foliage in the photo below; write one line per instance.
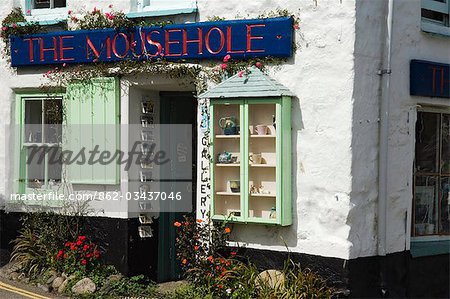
(16, 24)
(42, 234)
(30, 252)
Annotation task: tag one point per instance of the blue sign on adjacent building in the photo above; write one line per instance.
(429, 79)
(208, 40)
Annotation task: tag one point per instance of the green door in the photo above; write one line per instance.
(176, 108)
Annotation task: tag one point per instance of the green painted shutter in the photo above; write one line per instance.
(92, 119)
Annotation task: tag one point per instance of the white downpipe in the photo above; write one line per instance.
(384, 132)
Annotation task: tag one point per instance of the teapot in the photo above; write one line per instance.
(228, 125)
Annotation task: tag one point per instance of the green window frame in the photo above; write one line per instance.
(36, 132)
(279, 169)
(435, 16)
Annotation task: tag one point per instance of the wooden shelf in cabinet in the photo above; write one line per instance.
(228, 165)
(263, 165)
(228, 193)
(262, 195)
(227, 136)
(263, 136)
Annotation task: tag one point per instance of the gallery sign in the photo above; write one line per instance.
(194, 41)
(429, 79)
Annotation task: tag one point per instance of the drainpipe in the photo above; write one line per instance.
(385, 74)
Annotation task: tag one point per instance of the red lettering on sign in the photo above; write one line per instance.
(441, 76)
(199, 41)
(90, 45)
(62, 48)
(169, 42)
(250, 38)
(43, 50)
(108, 47)
(133, 45)
(114, 45)
(229, 46)
(222, 40)
(154, 43)
(31, 47)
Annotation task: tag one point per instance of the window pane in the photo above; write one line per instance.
(54, 167)
(427, 142)
(59, 3)
(444, 224)
(53, 120)
(445, 156)
(35, 167)
(41, 4)
(425, 209)
(33, 121)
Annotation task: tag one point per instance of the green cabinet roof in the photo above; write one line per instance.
(253, 84)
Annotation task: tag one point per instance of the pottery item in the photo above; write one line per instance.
(235, 186)
(224, 158)
(229, 125)
(261, 129)
(255, 158)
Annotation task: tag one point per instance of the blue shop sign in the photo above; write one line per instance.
(429, 79)
(195, 41)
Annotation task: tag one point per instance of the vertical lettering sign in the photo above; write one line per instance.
(429, 79)
(209, 40)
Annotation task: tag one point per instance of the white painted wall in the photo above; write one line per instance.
(335, 118)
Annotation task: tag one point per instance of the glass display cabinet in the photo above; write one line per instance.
(250, 166)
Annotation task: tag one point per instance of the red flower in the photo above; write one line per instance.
(81, 238)
(28, 12)
(60, 253)
(241, 73)
(227, 230)
(184, 261)
(110, 6)
(177, 224)
(199, 220)
(89, 255)
(210, 258)
(220, 286)
(85, 247)
(97, 254)
(65, 255)
(5, 28)
(233, 253)
(14, 25)
(296, 26)
(79, 243)
(69, 12)
(258, 64)
(67, 243)
(73, 247)
(223, 66)
(196, 247)
(83, 262)
(226, 58)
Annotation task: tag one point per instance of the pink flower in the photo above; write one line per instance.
(241, 73)
(296, 26)
(110, 6)
(64, 64)
(69, 12)
(109, 16)
(226, 58)
(28, 12)
(223, 66)
(258, 64)
(4, 28)
(14, 25)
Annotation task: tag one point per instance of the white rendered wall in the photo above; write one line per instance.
(409, 43)
(335, 128)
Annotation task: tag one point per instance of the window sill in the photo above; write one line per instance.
(161, 12)
(435, 28)
(429, 248)
(47, 20)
